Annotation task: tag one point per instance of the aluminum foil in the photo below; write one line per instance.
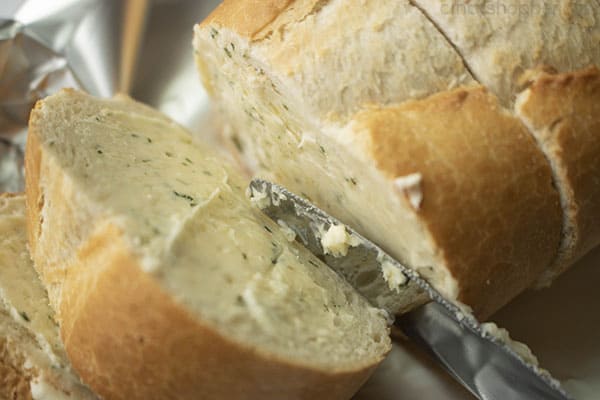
(143, 48)
(138, 47)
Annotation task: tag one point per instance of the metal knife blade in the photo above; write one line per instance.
(481, 362)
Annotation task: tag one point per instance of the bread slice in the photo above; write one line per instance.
(148, 246)
(563, 112)
(499, 41)
(33, 362)
(448, 181)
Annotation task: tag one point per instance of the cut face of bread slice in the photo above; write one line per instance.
(33, 362)
(452, 185)
(148, 245)
(563, 113)
(501, 40)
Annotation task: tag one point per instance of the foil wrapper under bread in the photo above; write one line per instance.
(138, 47)
(143, 48)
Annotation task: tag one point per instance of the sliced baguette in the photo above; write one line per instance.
(167, 282)
(33, 362)
(451, 183)
(563, 112)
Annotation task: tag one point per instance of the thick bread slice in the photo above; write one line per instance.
(563, 112)
(33, 362)
(500, 40)
(150, 247)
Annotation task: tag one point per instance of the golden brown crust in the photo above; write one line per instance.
(128, 339)
(246, 17)
(488, 198)
(563, 111)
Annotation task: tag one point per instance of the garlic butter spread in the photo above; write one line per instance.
(145, 157)
(520, 348)
(336, 240)
(393, 276)
(259, 198)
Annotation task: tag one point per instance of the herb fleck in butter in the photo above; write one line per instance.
(236, 142)
(183, 196)
(24, 315)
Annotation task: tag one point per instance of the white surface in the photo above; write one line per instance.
(560, 324)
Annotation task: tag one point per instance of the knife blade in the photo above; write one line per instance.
(482, 362)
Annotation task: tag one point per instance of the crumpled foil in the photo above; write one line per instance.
(136, 47)
(39, 54)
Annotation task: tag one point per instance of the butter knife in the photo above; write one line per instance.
(482, 362)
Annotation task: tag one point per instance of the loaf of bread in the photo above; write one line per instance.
(33, 362)
(400, 118)
(168, 283)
